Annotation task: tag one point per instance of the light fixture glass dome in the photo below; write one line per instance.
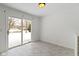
(41, 5)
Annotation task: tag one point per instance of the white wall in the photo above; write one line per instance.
(4, 24)
(2, 31)
(61, 28)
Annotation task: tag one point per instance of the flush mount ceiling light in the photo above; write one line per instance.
(41, 5)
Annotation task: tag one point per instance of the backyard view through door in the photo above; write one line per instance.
(26, 31)
(19, 31)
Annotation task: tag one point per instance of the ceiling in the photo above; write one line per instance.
(49, 9)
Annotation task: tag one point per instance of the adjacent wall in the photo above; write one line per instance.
(6, 12)
(2, 31)
(60, 28)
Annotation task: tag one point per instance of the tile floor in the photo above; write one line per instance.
(39, 49)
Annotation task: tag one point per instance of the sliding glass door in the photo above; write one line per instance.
(26, 31)
(19, 31)
(14, 35)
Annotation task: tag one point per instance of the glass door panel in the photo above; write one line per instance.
(26, 31)
(14, 32)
